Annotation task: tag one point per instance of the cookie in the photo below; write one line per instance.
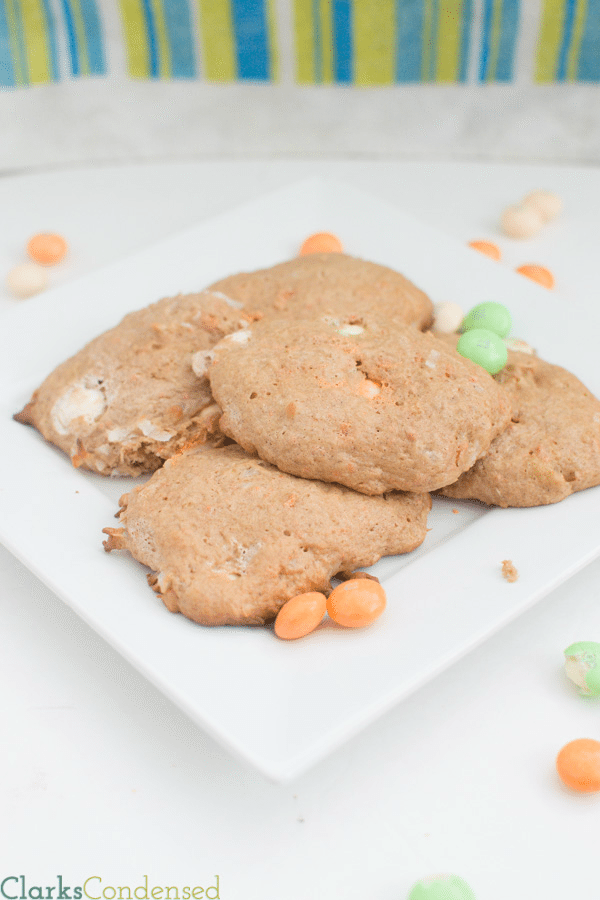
(551, 447)
(230, 538)
(330, 283)
(377, 406)
(137, 393)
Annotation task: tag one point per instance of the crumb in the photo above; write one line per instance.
(508, 570)
(454, 510)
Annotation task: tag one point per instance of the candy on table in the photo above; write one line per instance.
(537, 273)
(47, 249)
(484, 348)
(519, 345)
(321, 242)
(300, 615)
(582, 665)
(578, 765)
(356, 603)
(527, 218)
(441, 887)
(26, 280)
(489, 315)
(448, 317)
(487, 248)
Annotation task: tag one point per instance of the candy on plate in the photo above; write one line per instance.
(441, 887)
(578, 765)
(47, 249)
(488, 248)
(321, 242)
(537, 273)
(356, 603)
(26, 280)
(300, 615)
(582, 665)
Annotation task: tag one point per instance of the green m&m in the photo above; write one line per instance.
(582, 665)
(441, 887)
(484, 348)
(491, 316)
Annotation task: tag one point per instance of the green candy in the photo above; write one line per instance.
(583, 667)
(491, 316)
(484, 348)
(441, 887)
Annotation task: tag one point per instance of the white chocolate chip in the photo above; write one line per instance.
(448, 317)
(350, 330)
(369, 389)
(201, 362)
(26, 280)
(239, 337)
(519, 345)
(229, 300)
(149, 429)
(431, 361)
(78, 402)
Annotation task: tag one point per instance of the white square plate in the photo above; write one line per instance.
(282, 706)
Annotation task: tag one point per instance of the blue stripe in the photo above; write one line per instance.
(484, 58)
(508, 40)
(563, 53)
(251, 39)
(409, 40)
(93, 37)
(343, 49)
(51, 36)
(588, 67)
(71, 38)
(465, 44)
(318, 41)
(179, 31)
(7, 72)
(151, 39)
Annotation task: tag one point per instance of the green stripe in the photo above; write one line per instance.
(549, 40)
(428, 55)
(218, 50)
(496, 31)
(36, 46)
(449, 39)
(325, 10)
(138, 60)
(305, 49)
(575, 48)
(374, 33)
(16, 41)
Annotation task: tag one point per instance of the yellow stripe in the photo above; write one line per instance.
(495, 40)
(162, 39)
(84, 61)
(13, 30)
(427, 55)
(449, 40)
(578, 28)
(36, 47)
(218, 51)
(305, 51)
(549, 40)
(327, 40)
(374, 41)
(138, 59)
(272, 35)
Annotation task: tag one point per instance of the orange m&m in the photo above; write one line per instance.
(321, 242)
(537, 273)
(356, 603)
(578, 765)
(47, 249)
(300, 615)
(486, 247)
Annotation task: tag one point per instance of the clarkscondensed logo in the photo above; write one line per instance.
(18, 887)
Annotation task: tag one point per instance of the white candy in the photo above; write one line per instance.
(519, 345)
(26, 280)
(448, 317)
(546, 203)
(521, 221)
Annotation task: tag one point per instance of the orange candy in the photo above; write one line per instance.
(356, 603)
(321, 242)
(47, 249)
(578, 765)
(300, 615)
(537, 273)
(491, 250)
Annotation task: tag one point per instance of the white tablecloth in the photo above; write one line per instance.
(104, 779)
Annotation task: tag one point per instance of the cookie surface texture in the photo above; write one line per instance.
(135, 394)
(375, 407)
(230, 538)
(550, 449)
(333, 284)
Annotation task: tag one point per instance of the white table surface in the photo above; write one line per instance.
(102, 777)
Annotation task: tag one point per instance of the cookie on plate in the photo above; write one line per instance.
(551, 447)
(376, 406)
(331, 283)
(137, 393)
(230, 538)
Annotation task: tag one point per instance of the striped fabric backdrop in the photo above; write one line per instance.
(358, 42)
